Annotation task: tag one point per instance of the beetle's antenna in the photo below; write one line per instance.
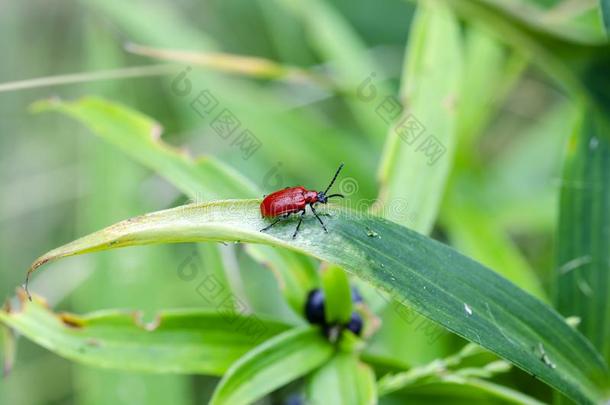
(334, 178)
(335, 195)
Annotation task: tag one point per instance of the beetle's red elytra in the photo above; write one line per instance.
(281, 204)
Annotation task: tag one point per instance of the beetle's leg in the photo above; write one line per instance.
(319, 219)
(269, 227)
(281, 217)
(299, 225)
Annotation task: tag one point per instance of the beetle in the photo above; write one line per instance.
(283, 203)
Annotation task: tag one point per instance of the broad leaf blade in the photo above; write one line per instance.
(583, 268)
(343, 381)
(278, 361)
(459, 293)
(187, 341)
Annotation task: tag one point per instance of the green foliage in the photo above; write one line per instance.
(429, 92)
(584, 231)
(301, 88)
(278, 361)
(342, 380)
(420, 272)
(338, 295)
(189, 341)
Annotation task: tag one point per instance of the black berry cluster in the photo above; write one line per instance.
(314, 311)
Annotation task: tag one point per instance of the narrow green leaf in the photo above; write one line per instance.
(337, 295)
(455, 390)
(187, 341)
(489, 72)
(459, 293)
(413, 183)
(419, 148)
(140, 137)
(605, 11)
(499, 391)
(271, 365)
(342, 381)
(583, 256)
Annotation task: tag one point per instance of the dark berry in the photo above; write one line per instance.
(314, 308)
(355, 324)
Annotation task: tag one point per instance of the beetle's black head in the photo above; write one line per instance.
(323, 198)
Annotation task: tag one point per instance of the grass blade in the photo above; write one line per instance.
(337, 295)
(188, 342)
(343, 381)
(408, 172)
(278, 361)
(583, 261)
(605, 9)
(140, 137)
(455, 291)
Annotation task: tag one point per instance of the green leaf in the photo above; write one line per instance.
(342, 381)
(271, 365)
(455, 390)
(337, 295)
(140, 137)
(605, 9)
(583, 257)
(472, 229)
(455, 291)
(186, 341)
(419, 148)
(411, 185)
(490, 70)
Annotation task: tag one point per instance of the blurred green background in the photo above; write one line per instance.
(59, 182)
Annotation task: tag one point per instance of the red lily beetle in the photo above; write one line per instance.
(281, 204)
